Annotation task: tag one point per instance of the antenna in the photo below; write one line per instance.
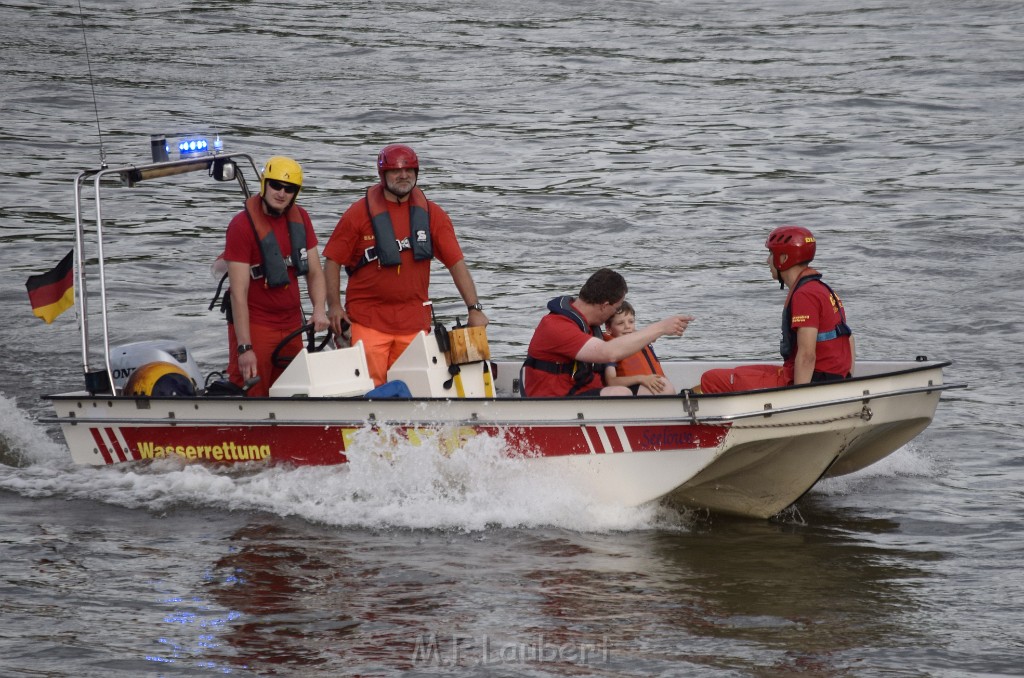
(92, 84)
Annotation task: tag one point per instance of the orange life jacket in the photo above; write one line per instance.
(642, 362)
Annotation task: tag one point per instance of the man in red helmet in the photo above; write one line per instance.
(385, 242)
(817, 344)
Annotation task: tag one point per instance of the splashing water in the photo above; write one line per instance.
(22, 441)
(390, 481)
(908, 461)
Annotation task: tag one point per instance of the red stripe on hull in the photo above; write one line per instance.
(116, 444)
(299, 445)
(613, 439)
(101, 446)
(320, 445)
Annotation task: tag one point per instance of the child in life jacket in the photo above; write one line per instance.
(641, 371)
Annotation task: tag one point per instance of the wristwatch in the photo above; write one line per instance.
(243, 348)
(475, 307)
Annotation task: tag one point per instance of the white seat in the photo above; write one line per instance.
(340, 373)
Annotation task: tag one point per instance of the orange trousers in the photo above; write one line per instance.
(382, 349)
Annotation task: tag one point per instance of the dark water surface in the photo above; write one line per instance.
(662, 138)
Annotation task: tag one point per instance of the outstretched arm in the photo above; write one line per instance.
(614, 350)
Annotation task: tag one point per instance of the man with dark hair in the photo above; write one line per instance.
(567, 353)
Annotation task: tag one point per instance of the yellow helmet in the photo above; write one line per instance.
(159, 379)
(283, 169)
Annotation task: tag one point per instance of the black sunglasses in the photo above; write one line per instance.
(281, 186)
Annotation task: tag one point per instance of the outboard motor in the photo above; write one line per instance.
(160, 379)
(126, 358)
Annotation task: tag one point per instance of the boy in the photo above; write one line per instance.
(642, 369)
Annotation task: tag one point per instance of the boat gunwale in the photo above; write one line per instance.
(918, 366)
(689, 418)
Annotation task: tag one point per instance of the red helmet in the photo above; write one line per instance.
(397, 156)
(794, 241)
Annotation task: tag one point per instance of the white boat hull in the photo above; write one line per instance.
(750, 454)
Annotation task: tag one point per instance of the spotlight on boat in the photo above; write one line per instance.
(223, 169)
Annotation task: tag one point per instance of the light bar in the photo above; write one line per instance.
(191, 147)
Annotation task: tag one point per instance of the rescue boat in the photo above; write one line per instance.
(749, 454)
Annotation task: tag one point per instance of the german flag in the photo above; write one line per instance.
(53, 292)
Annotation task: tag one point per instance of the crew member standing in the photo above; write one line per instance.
(270, 244)
(385, 242)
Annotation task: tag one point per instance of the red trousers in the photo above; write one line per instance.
(264, 341)
(743, 378)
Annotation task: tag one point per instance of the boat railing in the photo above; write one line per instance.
(219, 165)
(690, 407)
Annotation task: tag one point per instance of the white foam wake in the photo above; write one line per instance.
(388, 482)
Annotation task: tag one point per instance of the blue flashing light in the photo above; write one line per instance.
(190, 147)
(218, 145)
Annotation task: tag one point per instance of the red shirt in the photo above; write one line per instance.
(556, 339)
(279, 307)
(390, 298)
(813, 306)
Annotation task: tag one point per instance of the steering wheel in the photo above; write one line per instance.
(283, 361)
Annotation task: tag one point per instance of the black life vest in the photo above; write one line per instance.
(387, 250)
(274, 270)
(582, 373)
(788, 343)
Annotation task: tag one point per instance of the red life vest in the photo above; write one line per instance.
(274, 269)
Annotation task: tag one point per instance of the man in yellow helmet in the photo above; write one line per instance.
(270, 244)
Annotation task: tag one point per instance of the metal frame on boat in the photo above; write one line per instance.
(749, 454)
